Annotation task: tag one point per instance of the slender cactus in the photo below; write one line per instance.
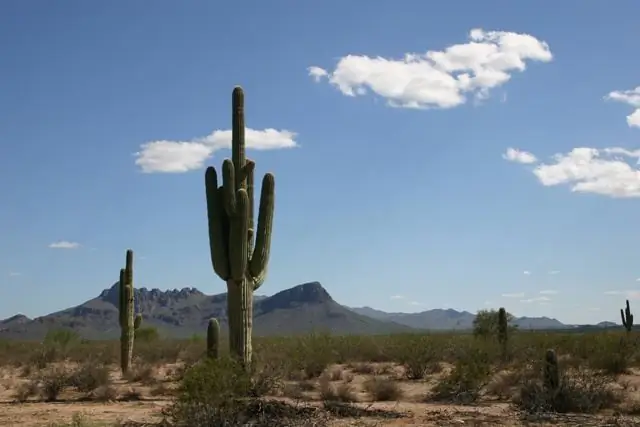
(551, 372)
(236, 257)
(627, 318)
(128, 322)
(213, 339)
(503, 328)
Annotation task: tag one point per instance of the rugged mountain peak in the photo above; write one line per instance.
(311, 293)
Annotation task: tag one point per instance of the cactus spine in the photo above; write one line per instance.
(128, 322)
(236, 258)
(627, 318)
(213, 339)
(551, 380)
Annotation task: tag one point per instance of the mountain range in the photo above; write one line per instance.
(297, 310)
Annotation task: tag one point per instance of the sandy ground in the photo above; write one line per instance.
(410, 409)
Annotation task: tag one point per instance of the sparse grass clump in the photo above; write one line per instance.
(383, 389)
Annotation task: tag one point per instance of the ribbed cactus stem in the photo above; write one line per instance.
(213, 339)
(627, 318)
(551, 373)
(128, 321)
(237, 258)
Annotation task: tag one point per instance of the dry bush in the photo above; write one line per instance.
(89, 376)
(105, 393)
(580, 391)
(383, 389)
(336, 393)
(26, 390)
(52, 382)
(142, 373)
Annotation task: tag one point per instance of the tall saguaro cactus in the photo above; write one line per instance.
(128, 321)
(627, 317)
(236, 257)
(213, 338)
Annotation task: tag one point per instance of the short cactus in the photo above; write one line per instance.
(213, 339)
(551, 374)
(627, 318)
(128, 322)
(234, 256)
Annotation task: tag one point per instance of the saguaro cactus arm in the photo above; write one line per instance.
(627, 317)
(218, 224)
(260, 256)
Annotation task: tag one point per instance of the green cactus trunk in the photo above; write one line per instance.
(551, 375)
(503, 331)
(128, 321)
(235, 258)
(213, 339)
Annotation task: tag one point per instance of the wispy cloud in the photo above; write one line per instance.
(14, 274)
(548, 292)
(416, 303)
(526, 273)
(554, 272)
(513, 295)
(64, 244)
(629, 293)
(397, 297)
(536, 299)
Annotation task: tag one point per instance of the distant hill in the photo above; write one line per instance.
(181, 313)
(449, 319)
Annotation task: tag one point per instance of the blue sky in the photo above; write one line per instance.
(390, 136)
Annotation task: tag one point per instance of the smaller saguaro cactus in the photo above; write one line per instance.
(503, 330)
(551, 379)
(129, 322)
(213, 339)
(627, 318)
(503, 326)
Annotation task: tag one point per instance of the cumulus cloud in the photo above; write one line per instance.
(513, 295)
(606, 171)
(183, 156)
(631, 98)
(438, 78)
(518, 156)
(64, 244)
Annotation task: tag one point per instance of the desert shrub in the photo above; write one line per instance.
(580, 391)
(463, 384)
(383, 389)
(63, 338)
(335, 393)
(212, 392)
(105, 393)
(142, 373)
(26, 390)
(146, 334)
(89, 376)
(418, 357)
(52, 382)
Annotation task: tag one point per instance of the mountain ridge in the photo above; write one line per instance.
(300, 309)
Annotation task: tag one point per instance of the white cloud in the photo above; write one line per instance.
(397, 297)
(526, 273)
(439, 79)
(416, 303)
(536, 299)
(518, 156)
(14, 274)
(589, 170)
(514, 295)
(317, 73)
(64, 244)
(629, 97)
(554, 272)
(182, 156)
(548, 292)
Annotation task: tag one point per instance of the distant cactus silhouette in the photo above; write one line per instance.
(627, 318)
(213, 339)
(129, 322)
